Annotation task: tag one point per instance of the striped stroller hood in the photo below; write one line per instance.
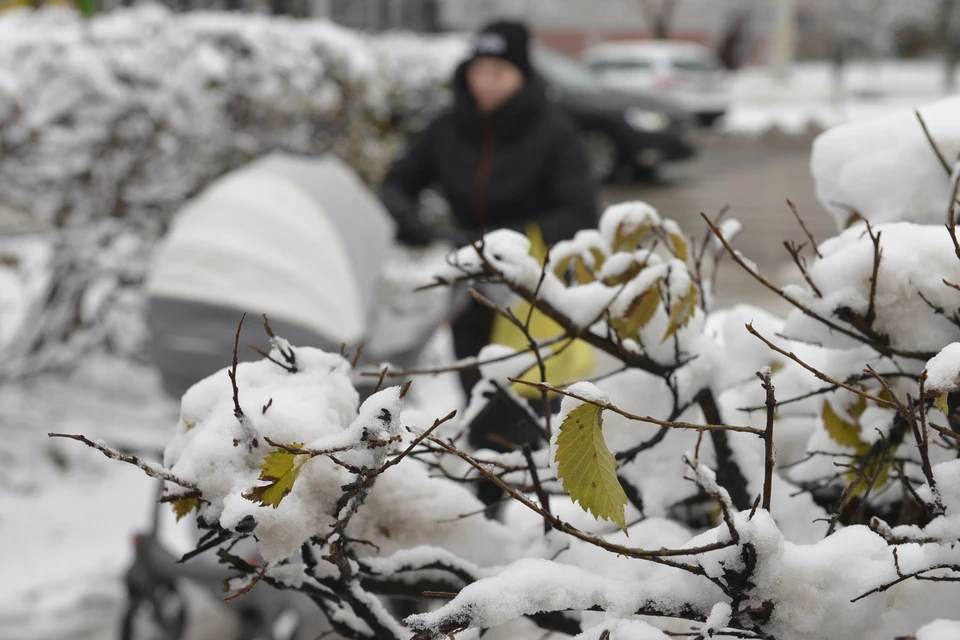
(301, 239)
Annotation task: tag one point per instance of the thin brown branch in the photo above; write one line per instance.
(945, 432)
(659, 556)
(907, 414)
(821, 375)
(152, 470)
(249, 586)
(803, 225)
(420, 438)
(288, 354)
(769, 462)
(636, 418)
(933, 145)
(538, 488)
(877, 255)
(798, 260)
(237, 411)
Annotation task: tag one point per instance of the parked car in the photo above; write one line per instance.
(620, 131)
(685, 71)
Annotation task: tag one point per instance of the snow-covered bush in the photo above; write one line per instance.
(724, 472)
(107, 126)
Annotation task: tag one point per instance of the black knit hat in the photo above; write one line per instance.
(506, 40)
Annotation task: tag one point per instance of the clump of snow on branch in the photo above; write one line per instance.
(317, 407)
(915, 261)
(885, 169)
(943, 370)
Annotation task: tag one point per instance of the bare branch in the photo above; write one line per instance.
(821, 375)
(803, 225)
(152, 470)
(769, 461)
(933, 145)
(636, 418)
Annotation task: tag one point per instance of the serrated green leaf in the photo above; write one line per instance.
(941, 403)
(682, 311)
(280, 469)
(679, 245)
(628, 240)
(184, 506)
(587, 469)
(639, 313)
(841, 431)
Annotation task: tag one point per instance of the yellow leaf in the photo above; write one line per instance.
(679, 245)
(841, 431)
(941, 403)
(639, 313)
(587, 469)
(581, 271)
(682, 311)
(852, 219)
(280, 468)
(563, 265)
(624, 276)
(776, 367)
(184, 506)
(599, 257)
(626, 239)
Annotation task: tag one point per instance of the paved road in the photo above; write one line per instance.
(754, 177)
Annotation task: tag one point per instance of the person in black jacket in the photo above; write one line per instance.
(502, 156)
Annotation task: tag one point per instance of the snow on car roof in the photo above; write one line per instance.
(648, 48)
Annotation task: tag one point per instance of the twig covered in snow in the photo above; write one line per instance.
(152, 470)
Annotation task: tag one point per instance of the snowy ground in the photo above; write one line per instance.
(810, 96)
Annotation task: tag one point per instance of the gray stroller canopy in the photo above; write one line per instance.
(300, 239)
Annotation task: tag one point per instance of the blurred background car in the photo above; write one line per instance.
(625, 134)
(687, 72)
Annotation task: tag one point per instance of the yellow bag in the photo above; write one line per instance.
(574, 363)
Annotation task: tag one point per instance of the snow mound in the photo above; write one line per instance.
(885, 170)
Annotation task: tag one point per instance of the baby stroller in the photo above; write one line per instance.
(298, 238)
(303, 241)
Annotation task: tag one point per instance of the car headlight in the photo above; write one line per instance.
(644, 120)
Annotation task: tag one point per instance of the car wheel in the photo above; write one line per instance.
(161, 615)
(602, 154)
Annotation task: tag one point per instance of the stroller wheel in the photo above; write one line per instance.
(158, 615)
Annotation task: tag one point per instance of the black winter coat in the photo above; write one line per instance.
(523, 163)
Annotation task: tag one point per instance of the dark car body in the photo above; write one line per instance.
(599, 110)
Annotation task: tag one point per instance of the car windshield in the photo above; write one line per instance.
(621, 64)
(563, 71)
(694, 65)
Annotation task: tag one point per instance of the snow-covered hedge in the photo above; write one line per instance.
(678, 494)
(107, 126)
